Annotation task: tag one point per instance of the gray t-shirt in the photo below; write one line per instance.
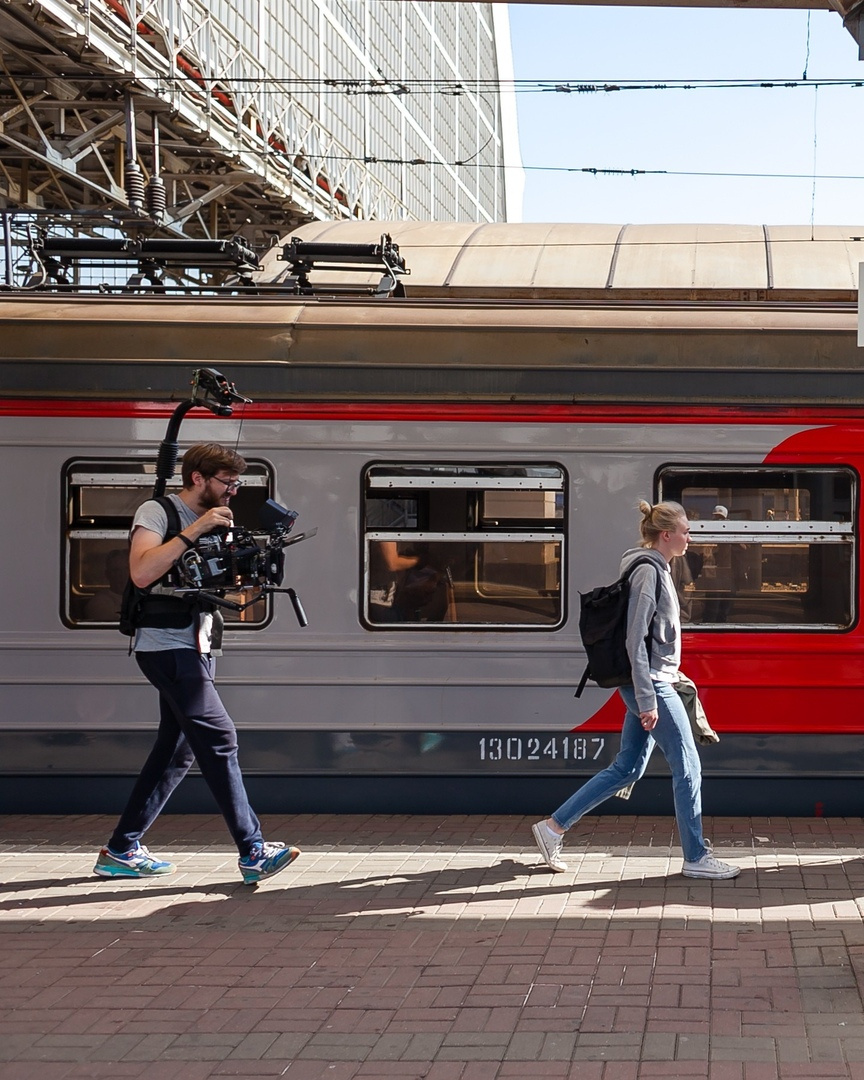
(150, 515)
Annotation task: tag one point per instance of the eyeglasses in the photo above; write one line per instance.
(230, 485)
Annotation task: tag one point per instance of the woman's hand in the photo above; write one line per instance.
(649, 719)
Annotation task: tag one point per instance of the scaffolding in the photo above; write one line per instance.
(155, 109)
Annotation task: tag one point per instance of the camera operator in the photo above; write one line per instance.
(173, 650)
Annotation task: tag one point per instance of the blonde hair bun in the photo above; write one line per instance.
(662, 517)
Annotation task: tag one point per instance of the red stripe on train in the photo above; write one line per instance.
(422, 412)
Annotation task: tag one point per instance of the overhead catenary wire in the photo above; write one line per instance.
(594, 170)
(400, 87)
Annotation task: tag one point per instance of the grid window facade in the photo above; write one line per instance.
(403, 47)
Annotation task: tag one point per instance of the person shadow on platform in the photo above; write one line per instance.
(830, 881)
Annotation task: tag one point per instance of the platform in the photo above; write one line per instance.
(439, 948)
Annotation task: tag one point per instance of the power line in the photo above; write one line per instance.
(689, 172)
(400, 87)
(557, 86)
(593, 170)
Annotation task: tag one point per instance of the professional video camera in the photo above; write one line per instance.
(239, 560)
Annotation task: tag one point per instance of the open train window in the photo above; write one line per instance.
(100, 498)
(770, 548)
(468, 545)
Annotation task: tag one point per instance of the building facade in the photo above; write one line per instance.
(259, 113)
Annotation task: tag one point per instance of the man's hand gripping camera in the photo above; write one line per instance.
(239, 560)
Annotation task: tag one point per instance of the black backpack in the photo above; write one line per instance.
(603, 626)
(139, 608)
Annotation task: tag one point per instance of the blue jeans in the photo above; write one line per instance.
(193, 726)
(674, 736)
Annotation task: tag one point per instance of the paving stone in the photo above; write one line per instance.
(435, 948)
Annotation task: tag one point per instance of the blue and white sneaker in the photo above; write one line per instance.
(265, 860)
(135, 863)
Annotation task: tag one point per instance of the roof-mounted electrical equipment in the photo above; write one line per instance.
(153, 264)
(57, 258)
(337, 260)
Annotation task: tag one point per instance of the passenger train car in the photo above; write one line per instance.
(471, 446)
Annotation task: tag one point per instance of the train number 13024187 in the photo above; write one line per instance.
(532, 748)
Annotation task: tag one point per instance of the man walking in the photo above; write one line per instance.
(173, 643)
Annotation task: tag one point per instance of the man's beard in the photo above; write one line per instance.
(209, 498)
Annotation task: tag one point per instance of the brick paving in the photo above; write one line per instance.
(400, 947)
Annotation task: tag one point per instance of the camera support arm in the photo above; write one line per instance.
(210, 390)
(234, 605)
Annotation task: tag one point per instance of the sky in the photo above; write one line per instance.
(799, 130)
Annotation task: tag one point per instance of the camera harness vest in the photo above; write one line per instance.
(161, 611)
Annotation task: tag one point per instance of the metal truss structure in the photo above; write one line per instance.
(153, 108)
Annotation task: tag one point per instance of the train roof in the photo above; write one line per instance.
(718, 314)
(596, 261)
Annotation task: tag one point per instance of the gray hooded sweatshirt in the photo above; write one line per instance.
(666, 633)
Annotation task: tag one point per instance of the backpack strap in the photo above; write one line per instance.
(585, 675)
(173, 515)
(646, 561)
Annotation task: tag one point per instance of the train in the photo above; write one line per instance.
(467, 432)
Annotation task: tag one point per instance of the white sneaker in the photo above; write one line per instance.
(550, 847)
(709, 867)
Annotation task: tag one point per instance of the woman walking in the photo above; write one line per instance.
(655, 715)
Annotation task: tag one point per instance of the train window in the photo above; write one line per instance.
(463, 545)
(100, 500)
(770, 547)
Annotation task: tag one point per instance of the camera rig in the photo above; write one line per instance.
(238, 560)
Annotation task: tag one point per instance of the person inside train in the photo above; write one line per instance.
(407, 583)
(422, 593)
(175, 653)
(718, 576)
(655, 714)
(387, 564)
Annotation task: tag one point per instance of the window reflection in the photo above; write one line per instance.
(464, 545)
(769, 547)
(99, 572)
(490, 582)
(101, 500)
